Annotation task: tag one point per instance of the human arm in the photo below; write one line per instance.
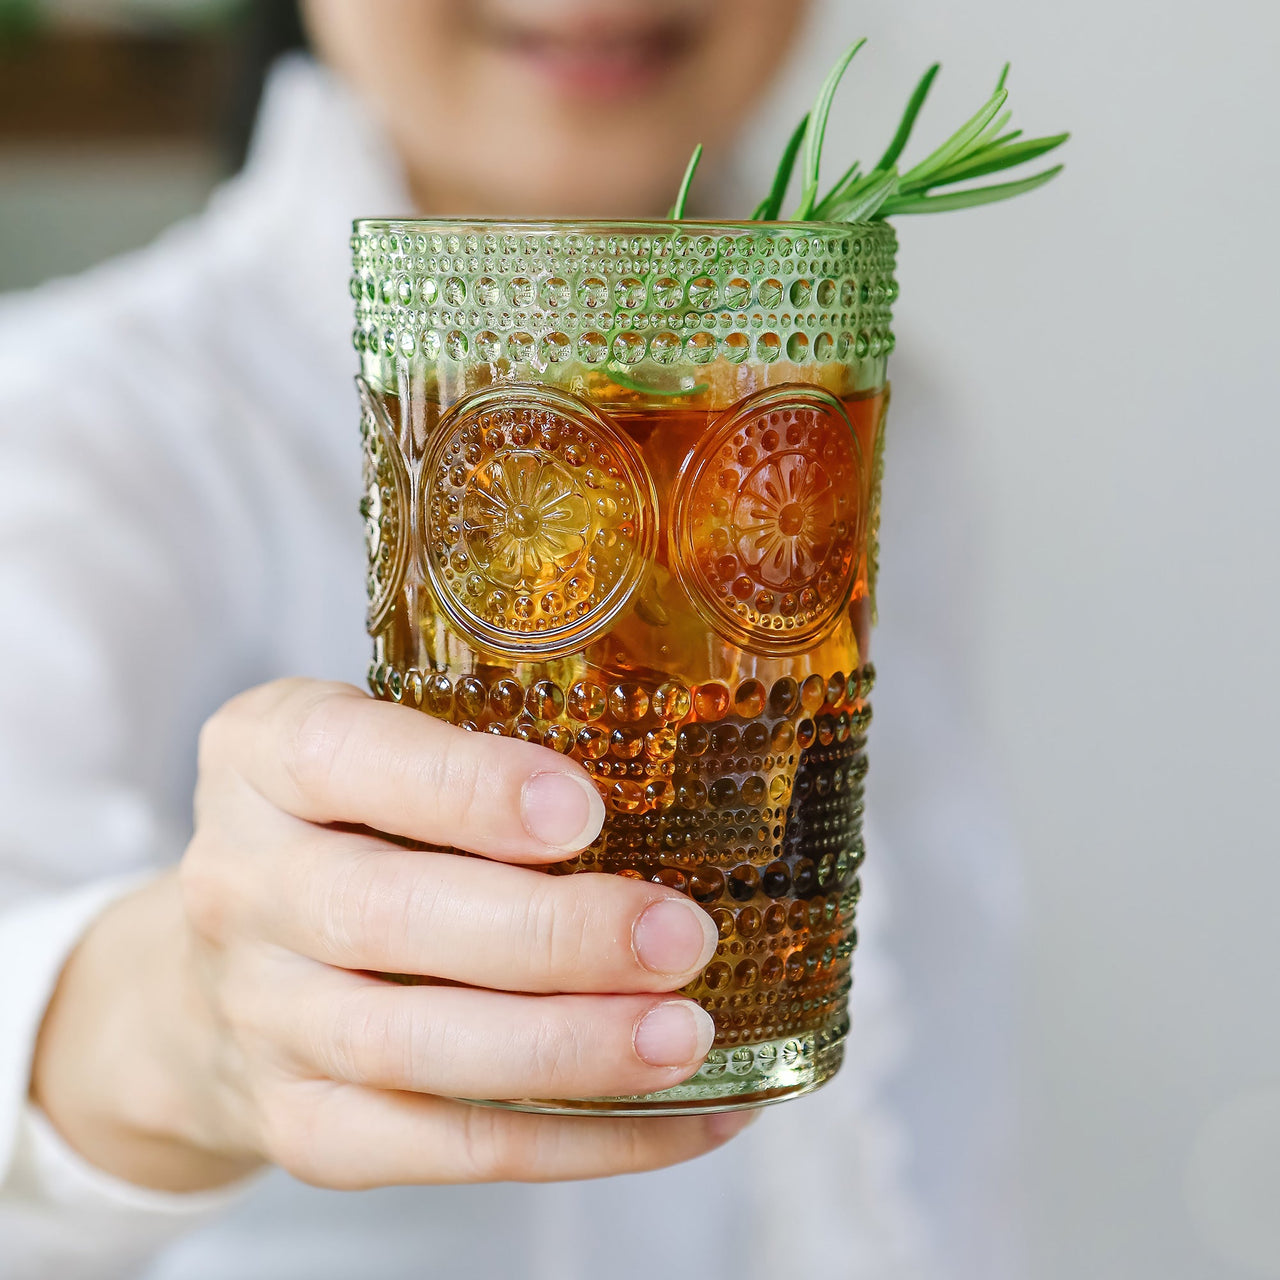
(142, 581)
(241, 985)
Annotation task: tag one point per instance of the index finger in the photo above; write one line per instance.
(328, 753)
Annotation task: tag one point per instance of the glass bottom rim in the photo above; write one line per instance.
(736, 1079)
(606, 1107)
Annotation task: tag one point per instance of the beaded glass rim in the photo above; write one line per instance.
(544, 293)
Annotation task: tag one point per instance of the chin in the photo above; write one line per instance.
(575, 193)
(594, 204)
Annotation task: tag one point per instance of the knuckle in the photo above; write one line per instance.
(580, 925)
(497, 1149)
(345, 905)
(557, 920)
(455, 774)
(555, 1051)
(362, 1043)
(214, 739)
(383, 1043)
(226, 724)
(289, 1132)
(317, 743)
(372, 908)
(221, 738)
(203, 889)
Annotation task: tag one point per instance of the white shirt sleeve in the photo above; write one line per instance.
(58, 1215)
(61, 1217)
(119, 621)
(35, 940)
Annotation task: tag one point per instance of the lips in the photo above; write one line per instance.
(595, 53)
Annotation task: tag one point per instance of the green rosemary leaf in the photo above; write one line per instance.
(628, 383)
(836, 210)
(965, 199)
(980, 160)
(991, 132)
(903, 136)
(983, 145)
(993, 159)
(771, 206)
(835, 197)
(871, 194)
(960, 141)
(1004, 137)
(816, 132)
(682, 196)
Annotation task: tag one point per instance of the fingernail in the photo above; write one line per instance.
(728, 1124)
(561, 810)
(674, 936)
(674, 1034)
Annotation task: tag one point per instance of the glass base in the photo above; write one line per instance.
(730, 1080)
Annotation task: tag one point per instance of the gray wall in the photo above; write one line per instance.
(1110, 347)
(63, 209)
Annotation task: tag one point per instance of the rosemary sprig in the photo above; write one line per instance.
(816, 132)
(967, 199)
(903, 136)
(970, 136)
(983, 145)
(769, 208)
(682, 196)
(628, 383)
(978, 148)
(866, 197)
(1003, 154)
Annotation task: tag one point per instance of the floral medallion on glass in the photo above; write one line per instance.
(385, 507)
(877, 491)
(767, 520)
(540, 519)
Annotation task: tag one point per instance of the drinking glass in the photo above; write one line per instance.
(622, 499)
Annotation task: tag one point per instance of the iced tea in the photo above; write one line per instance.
(722, 709)
(622, 488)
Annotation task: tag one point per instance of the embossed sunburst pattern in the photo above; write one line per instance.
(784, 519)
(523, 517)
(540, 517)
(768, 520)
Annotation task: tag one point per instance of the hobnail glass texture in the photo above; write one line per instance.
(622, 499)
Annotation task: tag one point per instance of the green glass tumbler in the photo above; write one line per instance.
(623, 486)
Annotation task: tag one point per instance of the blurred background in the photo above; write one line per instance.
(117, 119)
(1108, 350)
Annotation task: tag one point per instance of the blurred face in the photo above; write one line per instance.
(555, 108)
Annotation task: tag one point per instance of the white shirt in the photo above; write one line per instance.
(179, 475)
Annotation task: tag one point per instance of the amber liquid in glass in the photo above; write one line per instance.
(722, 710)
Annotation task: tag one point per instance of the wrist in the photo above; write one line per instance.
(123, 1063)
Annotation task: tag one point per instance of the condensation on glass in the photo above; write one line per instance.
(622, 499)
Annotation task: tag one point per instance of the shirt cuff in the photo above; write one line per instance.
(47, 1169)
(61, 1216)
(58, 1214)
(35, 940)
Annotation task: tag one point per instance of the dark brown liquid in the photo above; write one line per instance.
(721, 706)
